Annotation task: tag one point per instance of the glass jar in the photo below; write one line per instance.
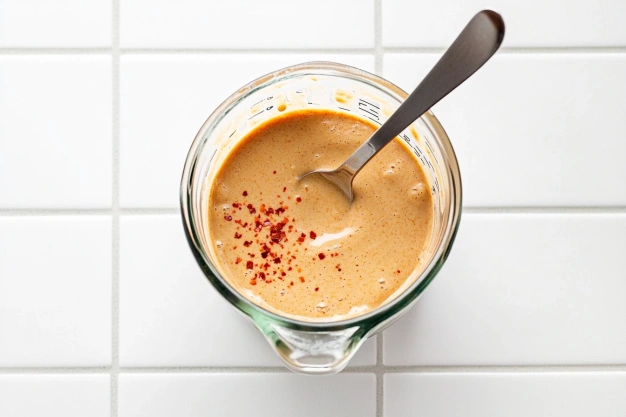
(319, 347)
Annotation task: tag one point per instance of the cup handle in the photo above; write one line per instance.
(314, 352)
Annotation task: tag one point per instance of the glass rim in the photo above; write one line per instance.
(377, 315)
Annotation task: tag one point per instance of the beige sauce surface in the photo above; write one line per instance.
(298, 248)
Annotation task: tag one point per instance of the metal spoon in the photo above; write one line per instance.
(480, 39)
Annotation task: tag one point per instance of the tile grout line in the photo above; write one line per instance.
(368, 369)
(115, 279)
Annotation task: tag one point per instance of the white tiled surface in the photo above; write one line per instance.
(259, 394)
(247, 24)
(570, 394)
(55, 291)
(530, 23)
(103, 311)
(55, 131)
(55, 395)
(59, 23)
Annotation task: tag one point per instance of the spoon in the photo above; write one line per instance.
(478, 41)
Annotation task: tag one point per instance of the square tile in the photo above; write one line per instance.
(536, 289)
(170, 315)
(62, 23)
(55, 291)
(571, 394)
(55, 135)
(164, 102)
(247, 24)
(55, 395)
(258, 394)
(534, 129)
(558, 24)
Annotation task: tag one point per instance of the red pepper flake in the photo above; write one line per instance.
(264, 254)
(253, 281)
(270, 210)
(301, 279)
(238, 235)
(236, 205)
(302, 237)
(247, 243)
(317, 288)
(274, 172)
(298, 199)
(228, 218)
(283, 273)
(245, 193)
(312, 235)
(262, 275)
(398, 271)
(284, 189)
(289, 269)
(266, 266)
(321, 256)
(291, 283)
(251, 209)
(249, 265)
(238, 260)
(276, 260)
(280, 211)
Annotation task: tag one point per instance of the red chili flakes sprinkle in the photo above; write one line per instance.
(283, 273)
(289, 269)
(236, 205)
(298, 199)
(321, 256)
(251, 209)
(253, 281)
(262, 275)
(274, 172)
(245, 193)
(317, 289)
(247, 243)
(238, 260)
(238, 235)
(398, 271)
(276, 260)
(228, 218)
(280, 210)
(312, 235)
(249, 265)
(284, 189)
(266, 266)
(301, 279)
(338, 267)
(291, 283)
(264, 254)
(301, 238)
(269, 210)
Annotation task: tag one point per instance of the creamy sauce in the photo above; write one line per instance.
(297, 247)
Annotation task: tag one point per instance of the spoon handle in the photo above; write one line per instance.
(480, 39)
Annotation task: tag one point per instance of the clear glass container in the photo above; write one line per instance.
(316, 347)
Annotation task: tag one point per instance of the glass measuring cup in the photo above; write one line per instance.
(316, 347)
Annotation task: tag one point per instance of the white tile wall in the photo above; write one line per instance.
(60, 23)
(103, 311)
(569, 394)
(258, 394)
(246, 24)
(55, 131)
(54, 395)
(55, 291)
(531, 23)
